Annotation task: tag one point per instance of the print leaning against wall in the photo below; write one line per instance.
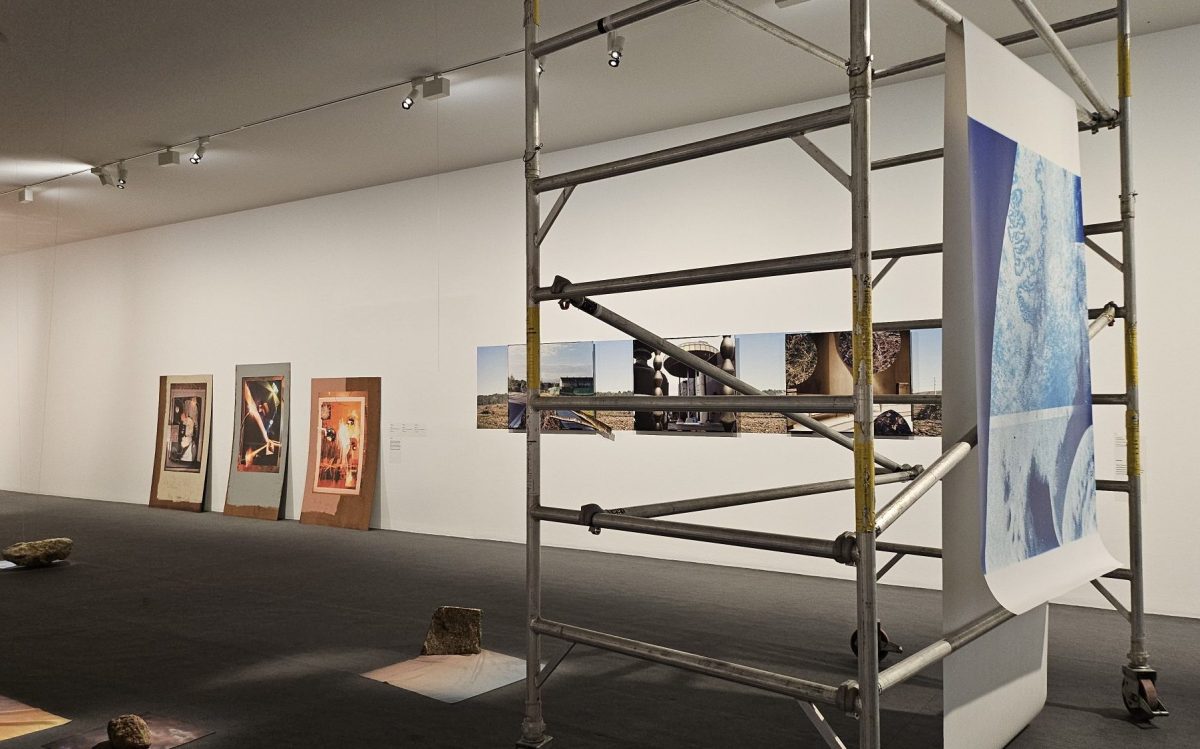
(181, 452)
(343, 453)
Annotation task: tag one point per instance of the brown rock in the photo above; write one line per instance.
(454, 631)
(128, 732)
(38, 553)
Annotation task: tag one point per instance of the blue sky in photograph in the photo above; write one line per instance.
(491, 370)
(567, 360)
(760, 360)
(614, 366)
(926, 360)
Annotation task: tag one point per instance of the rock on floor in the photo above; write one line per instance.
(38, 553)
(128, 732)
(454, 631)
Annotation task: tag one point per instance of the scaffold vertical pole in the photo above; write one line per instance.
(1138, 657)
(533, 727)
(860, 73)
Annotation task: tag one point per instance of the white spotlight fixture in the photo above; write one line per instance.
(122, 175)
(410, 98)
(436, 87)
(201, 147)
(25, 195)
(616, 49)
(169, 157)
(103, 175)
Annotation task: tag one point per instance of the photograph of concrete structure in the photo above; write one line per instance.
(819, 364)
(656, 373)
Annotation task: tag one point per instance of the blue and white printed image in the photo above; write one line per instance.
(1035, 412)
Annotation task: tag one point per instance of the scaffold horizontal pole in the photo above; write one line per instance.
(710, 146)
(937, 651)
(812, 547)
(714, 403)
(680, 506)
(1024, 36)
(811, 263)
(602, 26)
(790, 686)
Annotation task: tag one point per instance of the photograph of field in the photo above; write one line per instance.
(491, 387)
(927, 379)
(760, 362)
(613, 377)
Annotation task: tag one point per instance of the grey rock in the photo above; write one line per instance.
(128, 732)
(454, 631)
(38, 553)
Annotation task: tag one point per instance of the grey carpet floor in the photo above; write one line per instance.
(259, 631)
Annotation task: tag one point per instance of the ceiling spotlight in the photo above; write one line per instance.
(169, 157)
(201, 147)
(410, 98)
(103, 175)
(616, 48)
(122, 175)
(25, 195)
(436, 87)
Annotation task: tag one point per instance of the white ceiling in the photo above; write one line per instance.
(85, 82)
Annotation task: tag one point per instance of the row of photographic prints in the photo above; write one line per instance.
(905, 361)
(339, 432)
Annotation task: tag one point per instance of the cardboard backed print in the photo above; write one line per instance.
(343, 458)
(656, 373)
(19, 719)
(820, 364)
(259, 456)
(262, 406)
(491, 390)
(181, 471)
(342, 442)
(185, 424)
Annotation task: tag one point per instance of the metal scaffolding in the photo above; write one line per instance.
(859, 696)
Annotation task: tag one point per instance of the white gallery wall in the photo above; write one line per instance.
(405, 280)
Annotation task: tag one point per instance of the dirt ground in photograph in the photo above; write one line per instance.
(761, 424)
(491, 416)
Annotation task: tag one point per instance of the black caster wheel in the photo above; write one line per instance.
(1140, 694)
(886, 646)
